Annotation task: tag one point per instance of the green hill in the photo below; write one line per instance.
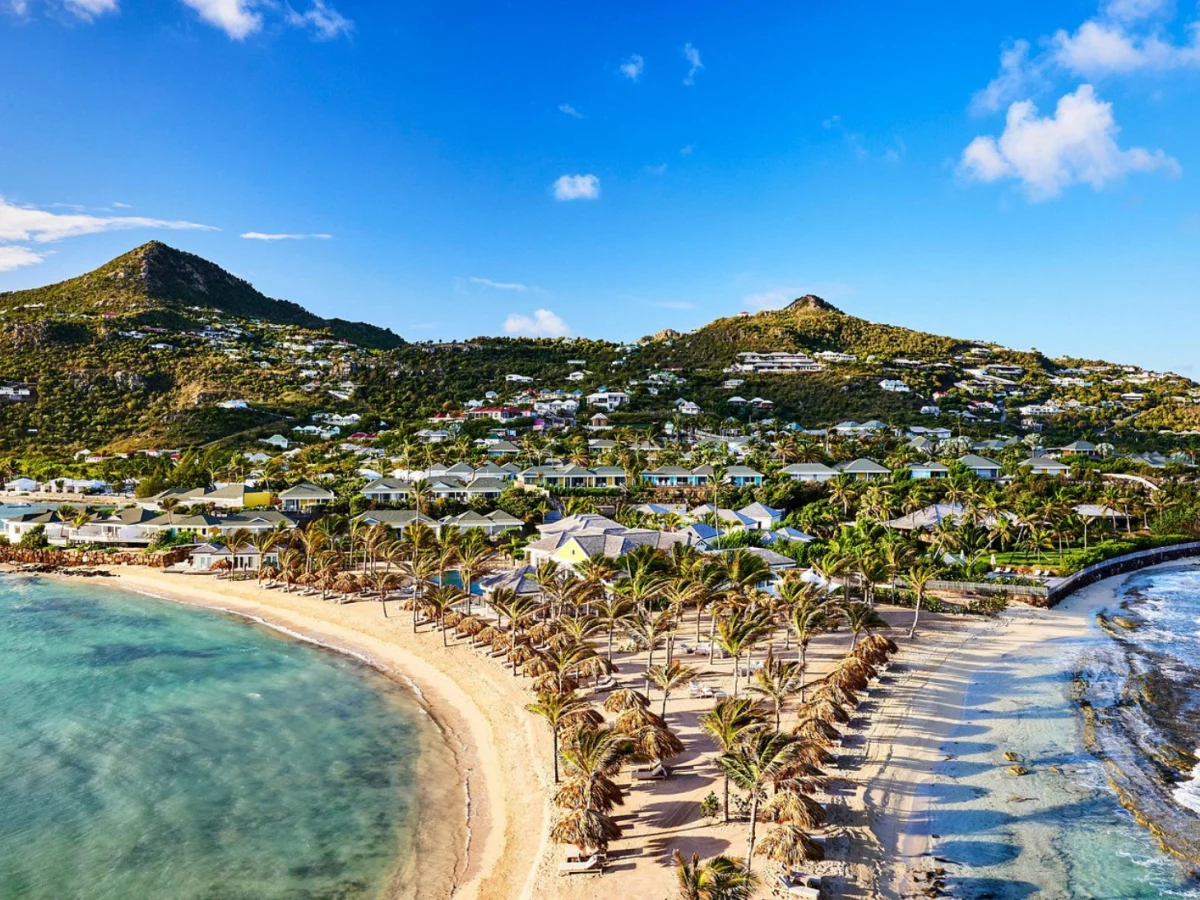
(145, 349)
(158, 285)
(156, 347)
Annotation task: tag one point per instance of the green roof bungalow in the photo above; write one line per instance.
(981, 466)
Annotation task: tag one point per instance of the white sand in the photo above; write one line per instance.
(504, 752)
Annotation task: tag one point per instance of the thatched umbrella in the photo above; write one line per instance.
(598, 793)
(625, 698)
(586, 829)
(502, 642)
(827, 711)
(814, 731)
(873, 655)
(859, 667)
(789, 845)
(559, 641)
(848, 680)
(834, 693)
(520, 654)
(554, 682)
(794, 807)
(542, 631)
(637, 718)
(487, 635)
(814, 754)
(470, 625)
(882, 642)
(656, 744)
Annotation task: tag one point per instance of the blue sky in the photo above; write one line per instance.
(1024, 172)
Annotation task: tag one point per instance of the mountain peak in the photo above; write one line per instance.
(812, 301)
(158, 279)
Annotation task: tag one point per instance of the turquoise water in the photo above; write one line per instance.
(1059, 832)
(149, 750)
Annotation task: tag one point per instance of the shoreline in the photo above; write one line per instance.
(488, 786)
(926, 704)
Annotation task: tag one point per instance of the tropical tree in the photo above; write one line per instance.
(728, 723)
(560, 710)
(861, 619)
(717, 878)
(918, 579)
(778, 680)
(753, 765)
(670, 677)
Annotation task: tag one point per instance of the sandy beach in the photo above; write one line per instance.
(877, 803)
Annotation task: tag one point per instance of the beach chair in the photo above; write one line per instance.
(656, 772)
(604, 685)
(699, 691)
(798, 885)
(594, 863)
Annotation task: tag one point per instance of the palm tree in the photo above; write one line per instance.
(754, 764)
(778, 681)
(718, 878)
(237, 541)
(592, 755)
(647, 629)
(918, 579)
(861, 619)
(473, 562)
(559, 710)
(739, 631)
(728, 723)
(669, 677)
(614, 612)
(808, 618)
(383, 582)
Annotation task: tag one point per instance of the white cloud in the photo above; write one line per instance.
(660, 169)
(675, 304)
(28, 223)
(686, 150)
(325, 22)
(1016, 72)
(576, 187)
(692, 55)
(120, 205)
(1125, 37)
(632, 68)
(1100, 48)
(499, 285)
(89, 9)
(543, 323)
(568, 110)
(1076, 145)
(19, 7)
(1132, 10)
(237, 18)
(12, 257)
(266, 236)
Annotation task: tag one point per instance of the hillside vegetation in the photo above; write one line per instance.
(161, 348)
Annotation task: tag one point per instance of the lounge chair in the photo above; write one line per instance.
(799, 885)
(594, 863)
(699, 691)
(656, 772)
(605, 684)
